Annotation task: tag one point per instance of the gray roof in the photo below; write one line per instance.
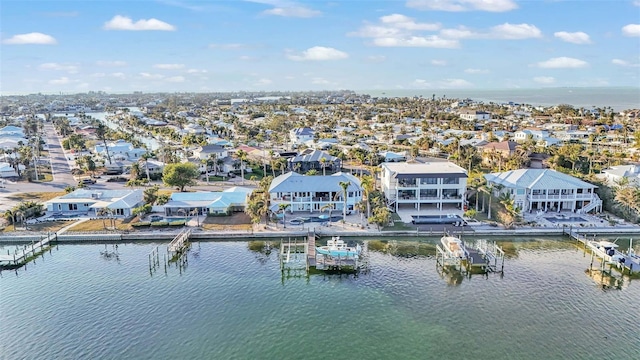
(537, 179)
(294, 182)
(312, 156)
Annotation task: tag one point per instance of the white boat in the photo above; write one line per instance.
(337, 247)
(604, 249)
(454, 247)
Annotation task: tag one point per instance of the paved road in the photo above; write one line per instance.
(59, 164)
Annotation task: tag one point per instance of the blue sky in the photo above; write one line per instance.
(174, 45)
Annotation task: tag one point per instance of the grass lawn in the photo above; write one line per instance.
(35, 196)
(237, 221)
(99, 225)
(166, 192)
(51, 226)
(398, 225)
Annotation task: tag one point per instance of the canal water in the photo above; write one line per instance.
(232, 302)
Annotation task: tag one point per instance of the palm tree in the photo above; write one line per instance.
(145, 157)
(205, 162)
(367, 184)
(242, 156)
(489, 189)
(283, 207)
(101, 134)
(628, 197)
(323, 165)
(327, 207)
(344, 185)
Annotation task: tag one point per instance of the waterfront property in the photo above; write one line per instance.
(120, 150)
(546, 190)
(424, 186)
(87, 202)
(621, 173)
(310, 159)
(313, 193)
(208, 202)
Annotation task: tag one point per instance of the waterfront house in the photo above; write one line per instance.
(432, 185)
(313, 193)
(545, 190)
(207, 151)
(208, 202)
(93, 202)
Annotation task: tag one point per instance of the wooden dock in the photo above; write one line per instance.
(179, 243)
(21, 255)
(311, 253)
(629, 261)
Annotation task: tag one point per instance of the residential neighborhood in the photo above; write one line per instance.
(378, 160)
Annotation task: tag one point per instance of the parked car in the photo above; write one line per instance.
(87, 181)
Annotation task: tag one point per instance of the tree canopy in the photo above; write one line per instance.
(180, 175)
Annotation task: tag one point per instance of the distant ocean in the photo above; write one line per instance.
(619, 98)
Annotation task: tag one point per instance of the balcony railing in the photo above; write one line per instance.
(584, 196)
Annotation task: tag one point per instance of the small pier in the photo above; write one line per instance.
(22, 254)
(628, 262)
(294, 257)
(179, 244)
(483, 257)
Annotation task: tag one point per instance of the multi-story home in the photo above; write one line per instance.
(545, 190)
(472, 115)
(622, 173)
(437, 185)
(301, 135)
(498, 151)
(314, 193)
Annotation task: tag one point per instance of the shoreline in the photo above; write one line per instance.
(139, 237)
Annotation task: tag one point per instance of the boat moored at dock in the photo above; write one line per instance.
(338, 248)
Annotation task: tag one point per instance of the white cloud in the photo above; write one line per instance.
(319, 53)
(438, 62)
(455, 83)
(624, 63)
(98, 75)
(60, 81)
(31, 38)
(505, 31)
(544, 79)
(463, 5)
(476, 71)
(515, 31)
(320, 81)
(118, 75)
(293, 11)
(107, 63)
(636, 3)
(175, 79)
(245, 58)
(120, 22)
(71, 69)
(574, 37)
(631, 30)
(146, 75)
(398, 30)
(196, 71)
(562, 63)
(405, 22)
(432, 41)
(169, 66)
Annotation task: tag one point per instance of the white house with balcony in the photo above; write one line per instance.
(312, 193)
(437, 185)
(301, 135)
(472, 115)
(546, 190)
(622, 173)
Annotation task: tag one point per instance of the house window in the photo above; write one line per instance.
(119, 211)
(73, 206)
(520, 192)
(450, 180)
(429, 181)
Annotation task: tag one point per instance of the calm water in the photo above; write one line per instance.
(233, 303)
(619, 98)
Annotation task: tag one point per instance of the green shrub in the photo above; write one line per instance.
(178, 223)
(160, 223)
(141, 223)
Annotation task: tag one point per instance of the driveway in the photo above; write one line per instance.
(59, 164)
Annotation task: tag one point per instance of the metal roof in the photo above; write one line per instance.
(294, 182)
(537, 179)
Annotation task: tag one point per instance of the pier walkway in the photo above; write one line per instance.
(23, 254)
